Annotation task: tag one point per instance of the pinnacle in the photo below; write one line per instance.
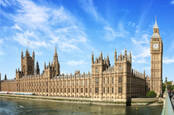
(155, 25)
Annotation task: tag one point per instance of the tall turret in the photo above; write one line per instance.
(37, 68)
(5, 77)
(27, 63)
(22, 56)
(115, 55)
(27, 53)
(101, 56)
(45, 65)
(56, 63)
(33, 57)
(92, 58)
(108, 61)
(125, 53)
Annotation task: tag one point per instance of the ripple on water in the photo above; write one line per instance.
(8, 108)
(33, 107)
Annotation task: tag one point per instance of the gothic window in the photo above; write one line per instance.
(103, 90)
(77, 90)
(108, 80)
(120, 79)
(119, 89)
(86, 90)
(81, 90)
(65, 90)
(119, 67)
(112, 80)
(112, 90)
(96, 81)
(103, 80)
(108, 89)
(96, 90)
(73, 90)
(96, 70)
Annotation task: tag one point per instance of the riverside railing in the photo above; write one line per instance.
(167, 106)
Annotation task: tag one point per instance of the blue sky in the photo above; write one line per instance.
(79, 27)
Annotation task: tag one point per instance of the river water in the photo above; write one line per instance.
(9, 106)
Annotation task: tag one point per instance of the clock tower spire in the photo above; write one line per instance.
(156, 50)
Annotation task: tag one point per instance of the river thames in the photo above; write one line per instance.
(11, 106)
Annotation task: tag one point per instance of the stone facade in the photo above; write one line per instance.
(105, 82)
(119, 81)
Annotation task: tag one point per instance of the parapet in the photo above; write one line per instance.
(137, 74)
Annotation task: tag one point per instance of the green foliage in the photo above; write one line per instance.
(163, 87)
(151, 94)
(170, 87)
(169, 83)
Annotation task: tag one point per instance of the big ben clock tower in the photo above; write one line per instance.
(156, 50)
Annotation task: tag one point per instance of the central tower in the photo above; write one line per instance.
(156, 50)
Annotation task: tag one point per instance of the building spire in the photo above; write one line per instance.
(155, 25)
(37, 68)
(45, 65)
(155, 30)
(5, 78)
(92, 58)
(33, 55)
(55, 52)
(27, 53)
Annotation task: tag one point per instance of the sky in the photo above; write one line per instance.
(79, 27)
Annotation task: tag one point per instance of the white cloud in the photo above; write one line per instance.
(30, 43)
(89, 7)
(144, 39)
(28, 39)
(168, 60)
(172, 2)
(43, 26)
(111, 34)
(17, 27)
(141, 43)
(76, 63)
(31, 14)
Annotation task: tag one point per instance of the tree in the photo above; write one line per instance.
(151, 94)
(163, 87)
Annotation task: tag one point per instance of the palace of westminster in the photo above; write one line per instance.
(104, 82)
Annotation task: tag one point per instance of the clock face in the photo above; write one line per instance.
(155, 46)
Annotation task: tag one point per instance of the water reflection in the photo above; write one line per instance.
(9, 106)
